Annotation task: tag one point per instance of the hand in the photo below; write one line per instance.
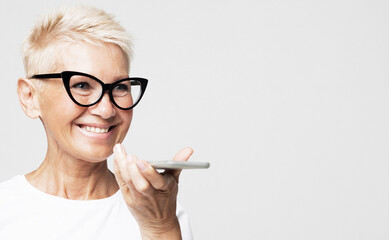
(150, 196)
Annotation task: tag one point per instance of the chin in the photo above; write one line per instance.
(95, 155)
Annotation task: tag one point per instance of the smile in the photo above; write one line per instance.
(95, 129)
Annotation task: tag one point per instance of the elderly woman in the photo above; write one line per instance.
(77, 83)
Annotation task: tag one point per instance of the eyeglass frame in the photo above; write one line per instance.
(66, 75)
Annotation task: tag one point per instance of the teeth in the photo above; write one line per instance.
(95, 129)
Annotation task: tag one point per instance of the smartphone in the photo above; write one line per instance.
(179, 165)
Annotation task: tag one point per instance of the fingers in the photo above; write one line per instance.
(181, 156)
(125, 170)
(118, 175)
(150, 196)
(157, 180)
(121, 174)
(116, 170)
(119, 164)
(141, 184)
(138, 175)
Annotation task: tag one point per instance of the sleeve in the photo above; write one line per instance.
(183, 219)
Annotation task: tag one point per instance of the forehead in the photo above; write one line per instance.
(106, 61)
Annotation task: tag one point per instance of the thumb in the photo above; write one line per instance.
(182, 156)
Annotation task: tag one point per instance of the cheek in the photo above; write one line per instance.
(126, 117)
(58, 110)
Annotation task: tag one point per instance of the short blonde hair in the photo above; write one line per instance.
(71, 24)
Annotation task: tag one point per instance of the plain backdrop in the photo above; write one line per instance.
(288, 100)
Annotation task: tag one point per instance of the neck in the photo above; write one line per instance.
(67, 177)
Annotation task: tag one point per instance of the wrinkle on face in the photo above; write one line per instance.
(61, 115)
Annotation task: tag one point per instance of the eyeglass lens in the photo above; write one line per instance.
(86, 91)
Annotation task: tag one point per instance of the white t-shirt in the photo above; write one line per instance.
(27, 213)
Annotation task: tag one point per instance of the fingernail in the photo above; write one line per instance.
(116, 148)
(141, 165)
(119, 149)
(123, 151)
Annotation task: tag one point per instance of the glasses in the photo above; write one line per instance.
(86, 90)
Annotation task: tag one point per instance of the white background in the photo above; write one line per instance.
(288, 100)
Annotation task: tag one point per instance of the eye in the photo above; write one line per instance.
(121, 88)
(81, 86)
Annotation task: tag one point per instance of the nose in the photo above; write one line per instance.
(104, 108)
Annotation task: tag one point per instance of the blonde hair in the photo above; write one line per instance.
(72, 24)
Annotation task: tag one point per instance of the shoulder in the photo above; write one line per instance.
(11, 188)
(11, 184)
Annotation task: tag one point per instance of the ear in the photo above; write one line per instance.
(28, 98)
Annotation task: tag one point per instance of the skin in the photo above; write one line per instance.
(75, 165)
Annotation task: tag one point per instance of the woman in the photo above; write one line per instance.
(77, 67)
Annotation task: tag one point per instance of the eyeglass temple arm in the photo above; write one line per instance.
(49, 75)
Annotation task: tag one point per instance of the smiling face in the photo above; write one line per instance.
(85, 133)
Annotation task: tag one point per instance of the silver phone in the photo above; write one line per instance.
(179, 165)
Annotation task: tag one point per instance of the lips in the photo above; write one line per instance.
(96, 129)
